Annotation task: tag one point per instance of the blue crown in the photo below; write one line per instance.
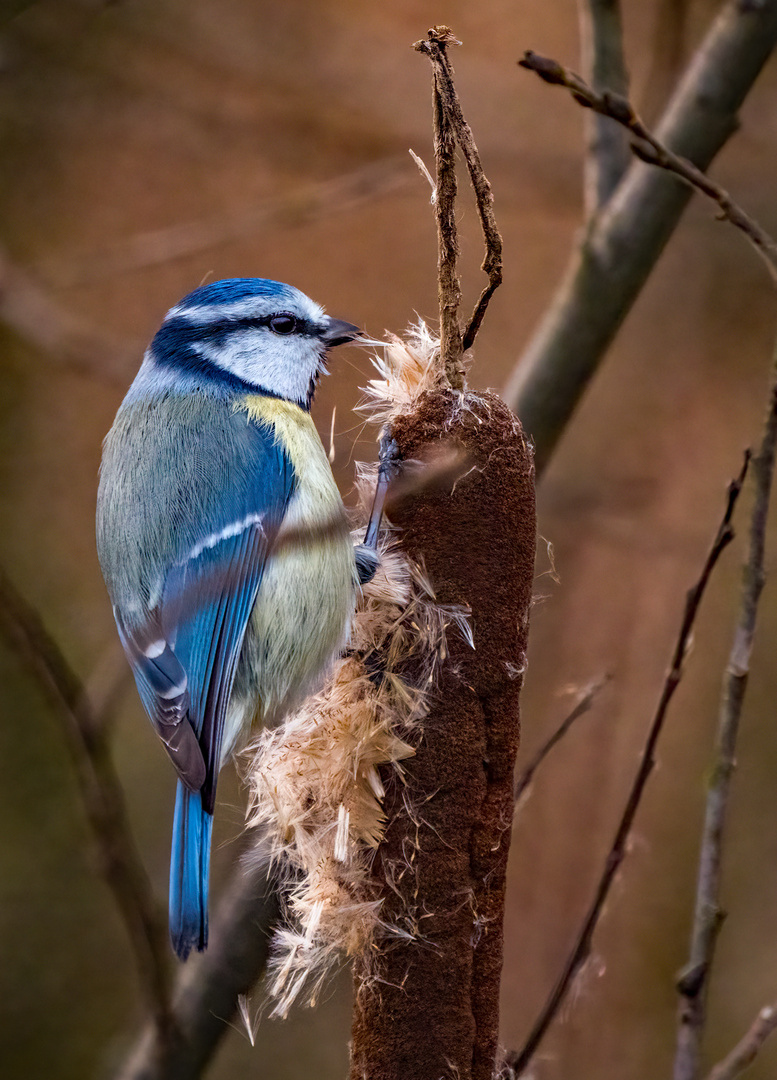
(232, 289)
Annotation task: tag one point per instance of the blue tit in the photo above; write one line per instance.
(212, 458)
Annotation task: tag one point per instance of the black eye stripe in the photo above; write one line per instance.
(178, 332)
(301, 325)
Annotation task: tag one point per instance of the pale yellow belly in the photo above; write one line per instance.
(300, 623)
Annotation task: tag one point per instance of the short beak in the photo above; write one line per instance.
(339, 332)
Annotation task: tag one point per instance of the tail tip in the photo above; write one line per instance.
(189, 872)
(184, 939)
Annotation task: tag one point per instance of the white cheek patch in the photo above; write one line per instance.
(233, 529)
(282, 365)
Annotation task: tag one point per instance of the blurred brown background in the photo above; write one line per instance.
(149, 146)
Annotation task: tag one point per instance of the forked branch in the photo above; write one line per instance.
(649, 148)
(450, 127)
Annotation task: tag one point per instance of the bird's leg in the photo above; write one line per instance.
(388, 467)
(367, 558)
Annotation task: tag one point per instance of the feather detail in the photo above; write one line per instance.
(189, 871)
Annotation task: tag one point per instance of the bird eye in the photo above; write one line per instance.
(283, 324)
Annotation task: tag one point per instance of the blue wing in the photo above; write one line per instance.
(224, 509)
(163, 687)
(206, 605)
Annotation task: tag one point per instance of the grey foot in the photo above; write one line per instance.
(367, 562)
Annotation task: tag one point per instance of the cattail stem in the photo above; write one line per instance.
(426, 1004)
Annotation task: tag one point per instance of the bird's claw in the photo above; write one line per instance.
(367, 563)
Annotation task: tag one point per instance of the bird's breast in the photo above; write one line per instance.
(303, 610)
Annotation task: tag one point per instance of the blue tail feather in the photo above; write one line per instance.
(189, 872)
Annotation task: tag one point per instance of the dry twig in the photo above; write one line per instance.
(708, 916)
(746, 1050)
(581, 708)
(182, 1036)
(450, 124)
(694, 980)
(652, 150)
(582, 946)
(492, 263)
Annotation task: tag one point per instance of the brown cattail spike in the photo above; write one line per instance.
(426, 1005)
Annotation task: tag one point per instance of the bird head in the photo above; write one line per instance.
(249, 334)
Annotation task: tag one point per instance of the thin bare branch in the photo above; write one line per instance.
(610, 266)
(492, 262)
(652, 151)
(582, 946)
(583, 705)
(182, 1037)
(694, 981)
(601, 42)
(102, 795)
(746, 1050)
